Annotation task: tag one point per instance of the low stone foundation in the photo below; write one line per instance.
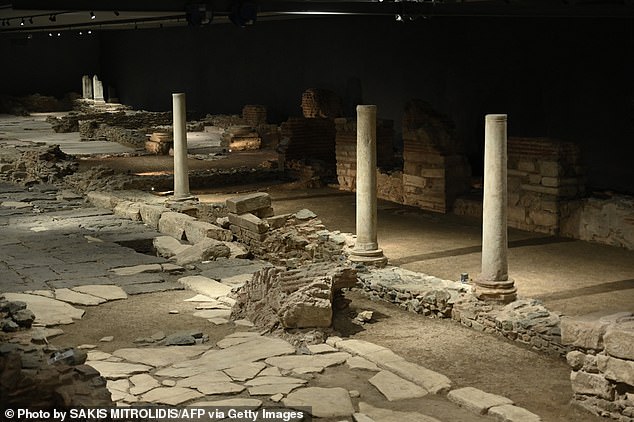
(602, 363)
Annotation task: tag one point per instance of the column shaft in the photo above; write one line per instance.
(494, 282)
(181, 172)
(366, 249)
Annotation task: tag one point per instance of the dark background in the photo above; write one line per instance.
(566, 78)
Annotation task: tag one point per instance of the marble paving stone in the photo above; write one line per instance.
(200, 298)
(204, 378)
(510, 413)
(395, 388)
(270, 389)
(244, 323)
(170, 395)
(213, 313)
(136, 289)
(117, 370)
(45, 293)
(247, 352)
(324, 402)
(233, 341)
(430, 380)
(137, 269)
(476, 400)
(118, 385)
(201, 306)
(380, 357)
(142, 383)
(271, 371)
(98, 355)
(357, 362)
(358, 347)
(270, 380)
(38, 274)
(160, 356)
(218, 321)
(238, 402)
(41, 334)
(205, 286)
(107, 292)
(246, 371)
(76, 298)
(360, 417)
(379, 414)
(302, 361)
(308, 369)
(320, 348)
(48, 311)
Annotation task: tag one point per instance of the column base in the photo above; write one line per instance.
(183, 198)
(497, 291)
(372, 257)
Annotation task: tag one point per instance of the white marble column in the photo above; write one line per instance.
(86, 82)
(366, 249)
(494, 283)
(181, 172)
(97, 89)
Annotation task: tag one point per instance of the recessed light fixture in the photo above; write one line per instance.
(22, 23)
(92, 15)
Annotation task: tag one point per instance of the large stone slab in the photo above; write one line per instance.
(205, 250)
(395, 388)
(270, 380)
(142, 383)
(358, 347)
(264, 348)
(586, 332)
(170, 395)
(248, 203)
(616, 369)
(104, 291)
(591, 384)
(76, 298)
(510, 413)
(249, 222)
(102, 200)
(159, 356)
(619, 340)
(151, 214)
(357, 362)
(379, 414)
(117, 370)
(324, 402)
(429, 380)
(302, 361)
(205, 286)
(476, 400)
(137, 269)
(167, 246)
(174, 223)
(270, 389)
(48, 311)
(195, 231)
(127, 209)
(245, 371)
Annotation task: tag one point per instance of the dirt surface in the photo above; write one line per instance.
(537, 382)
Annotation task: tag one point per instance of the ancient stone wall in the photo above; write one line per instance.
(602, 363)
(435, 169)
(321, 103)
(35, 164)
(254, 115)
(313, 138)
(543, 174)
(603, 220)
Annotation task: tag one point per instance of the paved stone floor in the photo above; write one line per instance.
(61, 257)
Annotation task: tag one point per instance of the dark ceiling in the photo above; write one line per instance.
(51, 15)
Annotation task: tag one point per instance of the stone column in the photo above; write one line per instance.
(97, 89)
(86, 83)
(181, 172)
(494, 283)
(366, 249)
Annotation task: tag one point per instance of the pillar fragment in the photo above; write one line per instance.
(366, 249)
(493, 282)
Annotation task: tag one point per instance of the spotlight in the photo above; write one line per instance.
(81, 33)
(29, 37)
(31, 20)
(52, 18)
(116, 13)
(92, 15)
(399, 18)
(59, 34)
(89, 32)
(243, 13)
(22, 23)
(50, 34)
